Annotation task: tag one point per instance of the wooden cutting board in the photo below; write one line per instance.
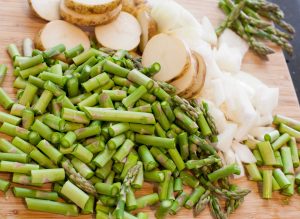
(18, 22)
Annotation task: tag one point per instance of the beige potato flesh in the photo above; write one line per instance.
(87, 19)
(92, 6)
(171, 53)
(122, 33)
(56, 32)
(149, 27)
(186, 80)
(46, 9)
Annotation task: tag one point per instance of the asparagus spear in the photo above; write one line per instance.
(279, 41)
(234, 14)
(80, 181)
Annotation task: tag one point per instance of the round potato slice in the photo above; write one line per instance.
(46, 9)
(172, 54)
(92, 6)
(87, 19)
(199, 81)
(148, 25)
(122, 33)
(187, 79)
(56, 32)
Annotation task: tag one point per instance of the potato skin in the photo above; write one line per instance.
(38, 41)
(92, 9)
(199, 81)
(133, 6)
(152, 27)
(89, 21)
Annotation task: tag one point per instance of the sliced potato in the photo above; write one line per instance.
(129, 7)
(46, 9)
(187, 79)
(148, 25)
(87, 19)
(199, 81)
(133, 6)
(123, 33)
(56, 32)
(92, 6)
(172, 54)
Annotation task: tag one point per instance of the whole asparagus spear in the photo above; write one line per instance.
(80, 181)
(215, 208)
(237, 26)
(130, 177)
(279, 41)
(283, 24)
(202, 203)
(234, 14)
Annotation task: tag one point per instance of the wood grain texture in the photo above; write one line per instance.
(18, 22)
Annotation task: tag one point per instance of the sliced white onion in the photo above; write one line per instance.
(229, 156)
(243, 152)
(225, 139)
(165, 21)
(266, 100)
(248, 90)
(169, 15)
(264, 120)
(249, 80)
(218, 93)
(229, 58)
(209, 33)
(191, 35)
(231, 39)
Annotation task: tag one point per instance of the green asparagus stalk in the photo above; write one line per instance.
(234, 14)
(4, 185)
(51, 207)
(38, 194)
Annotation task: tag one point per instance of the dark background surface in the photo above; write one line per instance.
(291, 9)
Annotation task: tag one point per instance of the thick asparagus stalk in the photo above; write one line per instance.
(51, 207)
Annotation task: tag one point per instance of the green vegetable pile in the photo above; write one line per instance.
(248, 19)
(278, 157)
(97, 126)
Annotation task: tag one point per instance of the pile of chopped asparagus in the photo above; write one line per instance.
(248, 19)
(277, 155)
(96, 127)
